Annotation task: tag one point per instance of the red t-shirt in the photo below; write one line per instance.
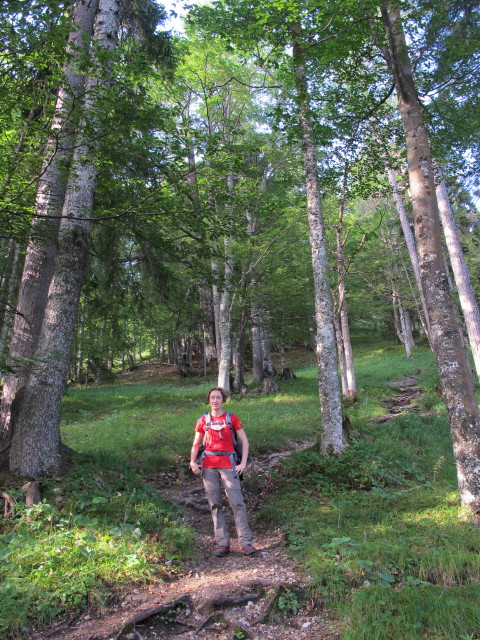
(219, 438)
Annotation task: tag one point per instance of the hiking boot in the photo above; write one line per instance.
(248, 549)
(221, 552)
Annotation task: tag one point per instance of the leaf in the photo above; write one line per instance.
(385, 575)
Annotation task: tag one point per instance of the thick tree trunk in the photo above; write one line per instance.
(466, 294)
(410, 242)
(454, 371)
(39, 260)
(36, 446)
(329, 389)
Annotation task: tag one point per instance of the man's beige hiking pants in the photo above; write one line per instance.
(213, 479)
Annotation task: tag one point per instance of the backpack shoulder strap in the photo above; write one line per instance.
(208, 421)
(229, 422)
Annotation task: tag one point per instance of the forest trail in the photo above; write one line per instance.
(215, 598)
(230, 598)
(401, 402)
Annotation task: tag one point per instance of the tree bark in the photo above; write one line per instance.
(268, 367)
(400, 322)
(329, 389)
(216, 311)
(239, 354)
(341, 354)
(454, 371)
(206, 303)
(410, 242)
(257, 356)
(225, 321)
(349, 369)
(466, 294)
(36, 446)
(40, 256)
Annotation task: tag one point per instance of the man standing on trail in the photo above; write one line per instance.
(219, 465)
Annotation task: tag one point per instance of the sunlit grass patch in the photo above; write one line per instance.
(97, 529)
(414, 613)
(380, 529)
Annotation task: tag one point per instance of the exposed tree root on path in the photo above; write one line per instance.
(401, 402)
(216, 598)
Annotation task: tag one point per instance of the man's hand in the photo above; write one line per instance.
(196, 468)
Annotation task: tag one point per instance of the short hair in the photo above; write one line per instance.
(222, 391)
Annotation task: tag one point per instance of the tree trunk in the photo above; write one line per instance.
(225, 321)
(178, 358)
(216, 311)
(239, 355)
(454, 371)
(257, 355)
(268, 367)
(206, 303)
(397, 323)
(410, 242)
(36, 446)
(329, 389)
(40, 256)
(466, 294)
(349, 370)
(341, 354)
(401, 323)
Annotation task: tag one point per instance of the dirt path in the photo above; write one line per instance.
(228, 598)
(215, 598)
(401, 402)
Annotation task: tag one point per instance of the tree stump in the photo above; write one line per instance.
(287, 374)
(269, 386)
(32, 493)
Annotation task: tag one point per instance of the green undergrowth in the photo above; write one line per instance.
(97, 530)
(380, 529)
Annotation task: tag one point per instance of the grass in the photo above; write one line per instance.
(95, 531)
(380, 529)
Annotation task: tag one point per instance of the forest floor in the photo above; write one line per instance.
(262, 597)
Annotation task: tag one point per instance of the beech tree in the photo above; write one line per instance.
(454, 371)
(36, 447)
(41, 251)
(466, 294)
